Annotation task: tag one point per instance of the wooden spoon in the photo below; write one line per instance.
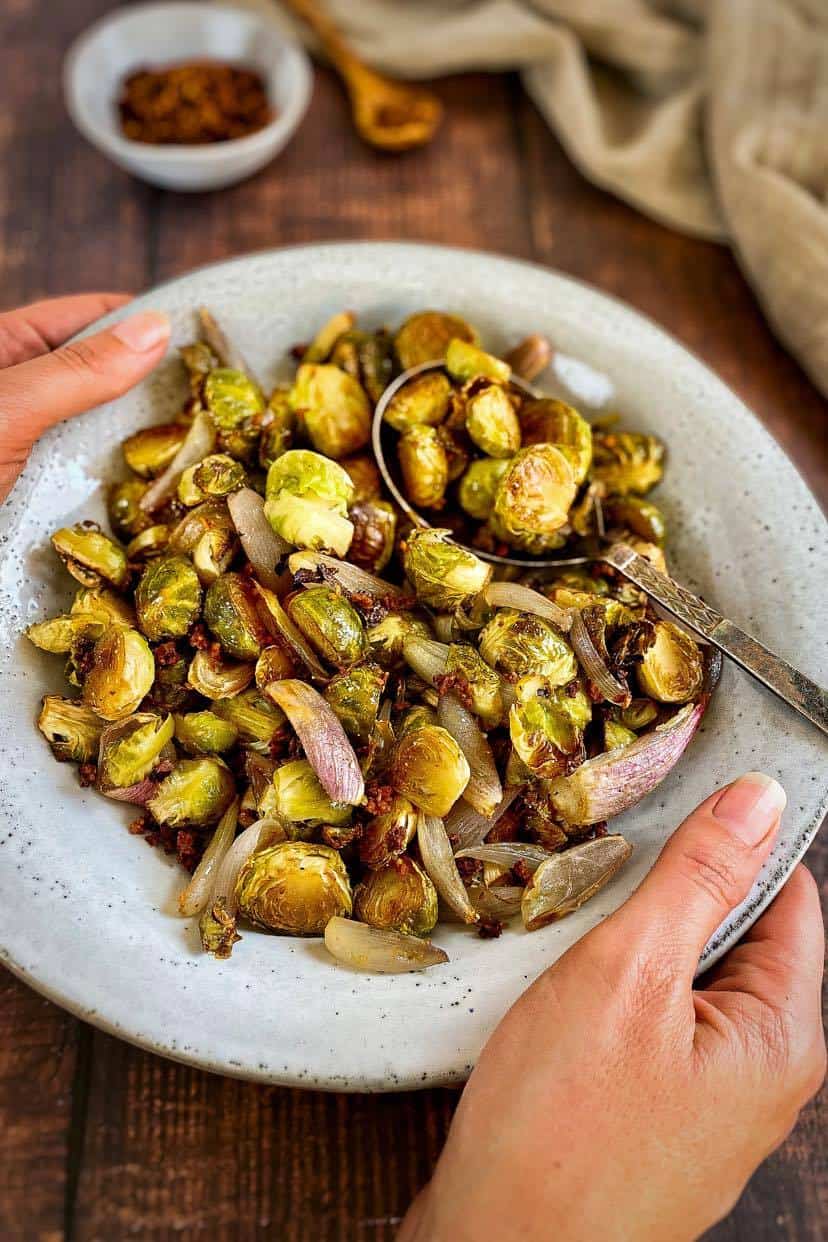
(390, 115)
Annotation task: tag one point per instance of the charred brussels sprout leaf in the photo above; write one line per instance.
(398, 896)
(334, 409)
(626, 461)
(195, 794)
(478, 487)
(355, 698)
(465, 361)
(425, 337)
(168, 598)
(534, 496)
(443, 575)
(130, 749)
(297, 797)
(91, 556)
(294, 887)
(330, 623)
(423, 401)
(430, 769)
(205, 733)
(72, 730)
(547, 421)
(121, 673)
(491, 420)
(671, 669)
(232, 615)
(151, 450)
(518, 644)
(424, 467)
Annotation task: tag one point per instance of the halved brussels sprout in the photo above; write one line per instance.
(278, 428)
(216, 678)
(294, 887)
(168, 598)
(365, 477)
(307, 501)
(258, 721)
(518, 644)
(424, 400)
(322, 344)
(58, 635)
(195, 794)
(465, 361)
(205, 733)
(638, 715)
(368, 356)
(121, 673)
(72, 730)
(232, 398)
(149, 451)
(671, 668)
(296, 796)
(547, 725)
(444, 575)
(375, 528)
(130, 749)
(330, 623)
(469, 677)
(478, 486)
(640, 516)
(333, 407)
(535, 494)
(397, 896)
(387, 638)
(232, 614)
(456, 447)
(389, 834)
(547, 421)
(430, 769)
(216, 475)
(416, 717)
(424, 467)
(91, 556)
(213, 554)
(149, 543)
(212, 515)
(491, 420)
(199, 360)
(126, 517)
(355, 699)
(275, 662)
(425, 337)
(102, 605)
(616, 734)
(626, 461)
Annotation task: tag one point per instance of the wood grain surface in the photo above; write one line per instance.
(99, 1141)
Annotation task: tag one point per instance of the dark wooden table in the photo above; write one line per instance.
(100, 1141)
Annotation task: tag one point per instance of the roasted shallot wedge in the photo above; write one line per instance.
(565, 881)
(325, 742)
(375, 949)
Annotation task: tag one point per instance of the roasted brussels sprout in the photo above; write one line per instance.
(387, 638)
(424, 400)
(616, 734)
(130, 749)
(217, 679)
(671, 669)
(126, 517)
(297, 797)
(278, 428)
(547, 421)
(456, 446)
(121, 673)
(195, 794)
(430, 769)
(365, 477)
(326, 338)
(333, 408)
(640, 516)
(518, 644)
(398, 896)
(368, 356)
(375, 528)
(443, 575)
(547, 725)
(232, 398)
(232, 614)
(465, 361)
(330, 623)
(294, 887)
(199, 360)
(258, 721)
(424, 467)
(639, 714)
(58, 635)
(168, 598)
(275, 662)
(151, 450)
(307, 501)
(355, 698)
(425, 337)
(469, 677)
(150, 543)
(216, 475)
(478, 486)
(491, 420)
(91, 556)
(72, 730)
(205, 733)
(534, 496)
(389, 834)
(416, 717)
(626, 461)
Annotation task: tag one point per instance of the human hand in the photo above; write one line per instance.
(43, 380)
(614, 1100)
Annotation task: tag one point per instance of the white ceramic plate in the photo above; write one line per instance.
(86, 910)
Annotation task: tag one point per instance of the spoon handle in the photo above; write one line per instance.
(797, 690)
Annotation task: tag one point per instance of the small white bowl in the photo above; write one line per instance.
(157, 34)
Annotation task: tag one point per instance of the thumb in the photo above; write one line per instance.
(78, 376)
(707, 867)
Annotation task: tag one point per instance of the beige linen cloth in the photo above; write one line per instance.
(711, 116)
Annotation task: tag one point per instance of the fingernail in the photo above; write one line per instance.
(143, 332)
(751, 806)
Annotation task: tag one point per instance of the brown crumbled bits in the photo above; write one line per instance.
(457, 684)
(489, 929)
(87, 774)
(378, 799)
(193, 103)
(166, 654)
(522, 872)
(469, 868)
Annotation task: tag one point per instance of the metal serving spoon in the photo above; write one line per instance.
(797, 690)
(390, 115)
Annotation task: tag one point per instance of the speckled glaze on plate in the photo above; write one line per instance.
(87, 911)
